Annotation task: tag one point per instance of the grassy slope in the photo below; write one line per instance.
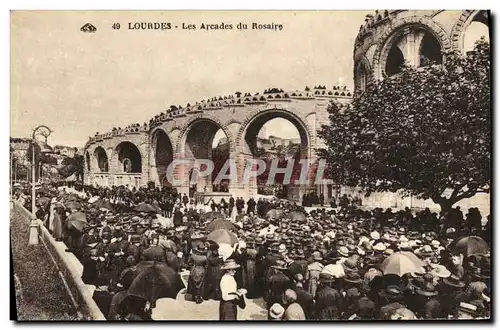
(44, 295)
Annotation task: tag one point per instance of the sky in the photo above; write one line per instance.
(81, 83)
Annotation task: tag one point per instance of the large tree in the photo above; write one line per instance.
(425, 131)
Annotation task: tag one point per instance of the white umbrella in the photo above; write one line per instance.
(225, 250)
(335, 270)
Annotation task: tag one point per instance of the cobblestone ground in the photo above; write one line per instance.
(40, 293)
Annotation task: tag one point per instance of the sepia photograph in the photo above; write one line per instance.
(285, 165)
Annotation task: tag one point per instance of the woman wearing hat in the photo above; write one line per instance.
(198, 271)
(214, 273)
(229, 292)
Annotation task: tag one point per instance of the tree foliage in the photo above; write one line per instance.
(424, 131)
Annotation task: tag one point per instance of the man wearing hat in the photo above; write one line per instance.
(313, 271)
(277, 282)
(154, 252)
(304, 298)
(328, 300)
(293, 310)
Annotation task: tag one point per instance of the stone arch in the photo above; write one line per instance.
(129, 157)
(101, 159)
(362, 73)
(161, 156)
(181, 140)
(458, 30)
(387, 39)
(267, 114)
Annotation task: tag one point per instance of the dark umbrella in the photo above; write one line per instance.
(73, 205)
(212, 216)
(471, 245)
(43, 200)
(275, 213)
(156, 281)
(43, 190)
(220, 224)
(77, 220)
(298, 216)
(104, 204)
(147, 208)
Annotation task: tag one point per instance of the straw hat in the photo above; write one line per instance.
(280, 265)
(316, 256)
(440, 271)
(276, 311)
(343, 251)
(379, 247)
(375, 235)
(230, 264)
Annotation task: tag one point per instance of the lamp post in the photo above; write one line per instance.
(45, 132)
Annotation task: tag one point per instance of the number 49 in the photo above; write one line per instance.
(116, 26)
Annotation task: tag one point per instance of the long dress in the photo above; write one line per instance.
(58, 226)
(251, 273)
(196, 279)
(214, 275)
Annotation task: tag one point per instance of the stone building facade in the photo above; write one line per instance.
(141, 153)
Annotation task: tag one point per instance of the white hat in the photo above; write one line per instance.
(403, 238)
(282, 248)
(435, 243)
(440, 271)
(379, 246)
(375, 235)
(276, 311)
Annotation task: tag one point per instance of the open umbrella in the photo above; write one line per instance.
(223, 236)
(297, 216)
(471, 245)
(43, 200)
(225, 251)
(146, 208)
(104, 204)
(73, 205)
(275, 213)
(209, 216)
(77, 220)
(220, 224)
(156, 281)
(400, 264)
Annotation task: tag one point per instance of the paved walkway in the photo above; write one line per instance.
(40, 293)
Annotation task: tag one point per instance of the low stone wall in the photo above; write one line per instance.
(70, 267)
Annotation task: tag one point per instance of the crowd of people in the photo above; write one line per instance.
(327, 264)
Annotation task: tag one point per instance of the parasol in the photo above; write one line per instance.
(275, 213)
(104, 204)
(400, 264)
(335, 270)
(73, 205)
(225, 250)
(156, 281)
(77, 220)
(298, 216)
(220, 224)
(209, 216)
(223, 236)
(146, 208)
(471, 245)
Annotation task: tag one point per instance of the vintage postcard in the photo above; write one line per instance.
(251, 165)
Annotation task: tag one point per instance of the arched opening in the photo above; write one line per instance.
(102, 159)
(395, 61)
(207, 140)
(430, 50)
(281, 137)
(478, 27)
(164, 154)
(361, 77)
(87, 160)
(129, 158)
